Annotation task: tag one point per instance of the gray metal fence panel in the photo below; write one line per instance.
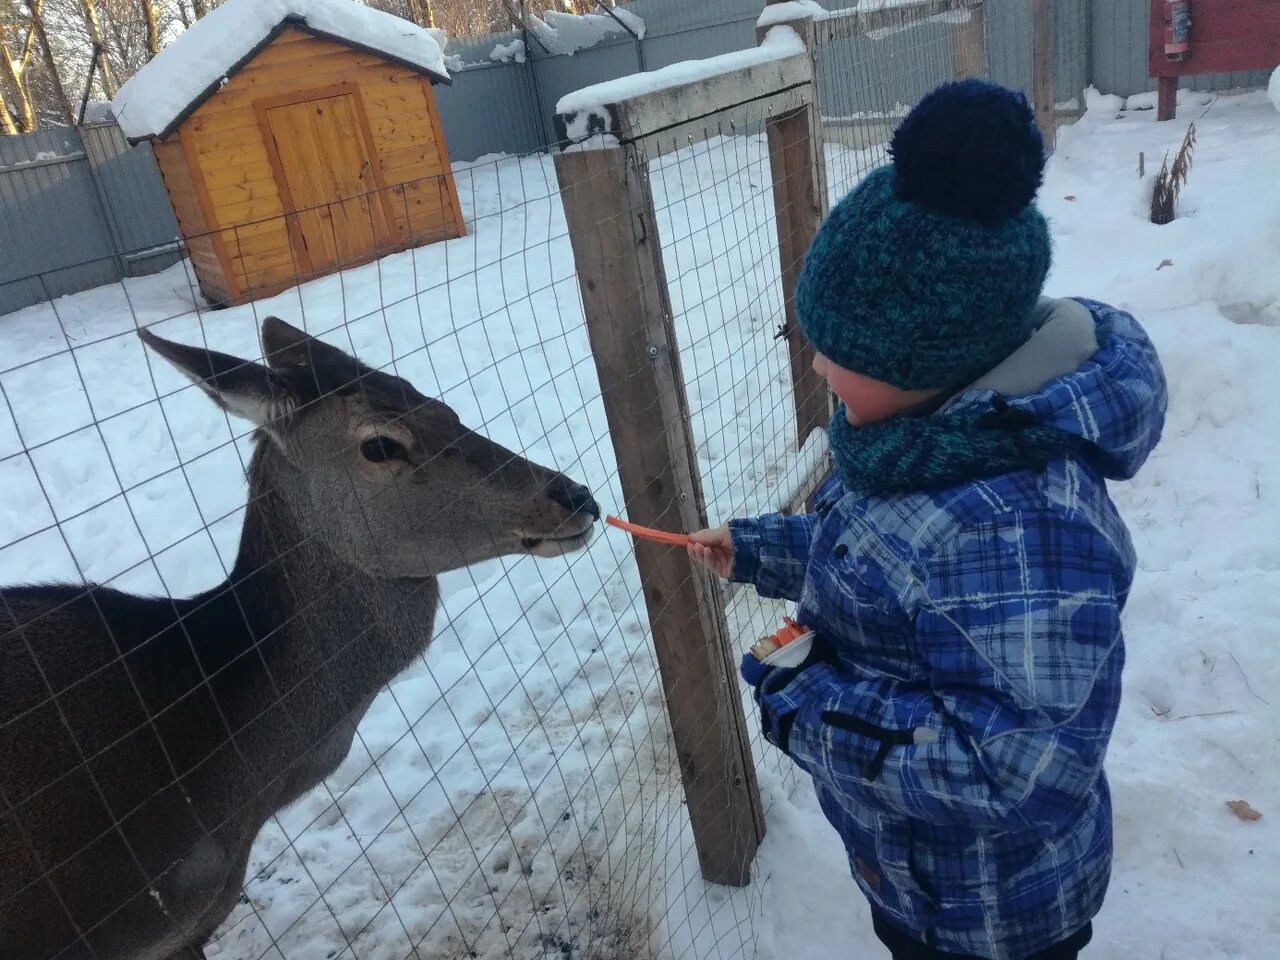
(695, 43)
(556, 76)
(54, 238)
(490, 108)
(132, 191)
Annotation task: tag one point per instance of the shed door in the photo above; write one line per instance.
(328, 170)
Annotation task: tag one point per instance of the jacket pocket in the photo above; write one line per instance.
(885, 739)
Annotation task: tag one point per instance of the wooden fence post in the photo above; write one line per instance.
(797, 160)
(613, 231)
(1043, 94)
(969, 43)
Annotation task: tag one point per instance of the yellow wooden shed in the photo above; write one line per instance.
(296, 138)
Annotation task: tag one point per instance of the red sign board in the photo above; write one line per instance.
(1225, 36)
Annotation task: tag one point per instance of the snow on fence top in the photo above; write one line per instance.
(777, 13)
(878, 17)
(779, 43)
(567, 33)
(191, 68)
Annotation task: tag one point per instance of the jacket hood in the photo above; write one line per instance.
(1090, 370)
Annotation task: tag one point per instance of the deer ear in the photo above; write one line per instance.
(241, 387)
(295, 351)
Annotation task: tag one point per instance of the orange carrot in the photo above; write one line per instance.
(648, 533)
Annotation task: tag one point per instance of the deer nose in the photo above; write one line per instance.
(574, 497)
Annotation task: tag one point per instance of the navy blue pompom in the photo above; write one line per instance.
(969, 149)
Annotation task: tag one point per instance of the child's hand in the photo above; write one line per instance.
(714, 550)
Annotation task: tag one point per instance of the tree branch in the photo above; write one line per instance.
(36, 8)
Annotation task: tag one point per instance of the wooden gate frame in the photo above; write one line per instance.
(613, 228)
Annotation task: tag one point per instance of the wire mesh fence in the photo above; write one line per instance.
(514, 790)
(391, 702)
(873, 67)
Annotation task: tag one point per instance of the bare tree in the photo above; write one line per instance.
(94, 23)
(422, 12)
(153, 26)
(36, 10)
(15, 70)
(7, 125)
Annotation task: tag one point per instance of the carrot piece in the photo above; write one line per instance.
(648, 533)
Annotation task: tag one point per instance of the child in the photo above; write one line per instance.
(965, 569)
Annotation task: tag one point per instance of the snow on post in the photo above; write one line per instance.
(630, 108)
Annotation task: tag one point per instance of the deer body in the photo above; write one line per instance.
(144, 742)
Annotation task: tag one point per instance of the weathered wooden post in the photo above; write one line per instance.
(604, 184)
(969, 42)
(797, 161)
(1042, 84)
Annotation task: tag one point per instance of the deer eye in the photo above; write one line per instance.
(380, 449)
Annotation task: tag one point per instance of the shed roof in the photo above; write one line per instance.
(190, 69)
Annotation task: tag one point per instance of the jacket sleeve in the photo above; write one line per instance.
(772, 552)
(1018, 622)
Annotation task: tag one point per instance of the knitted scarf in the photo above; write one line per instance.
(908, 454)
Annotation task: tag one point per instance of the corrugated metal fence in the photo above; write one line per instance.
(78, 209)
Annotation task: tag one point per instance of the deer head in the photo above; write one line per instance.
(390, 480)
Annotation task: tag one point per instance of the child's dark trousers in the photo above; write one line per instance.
(904, 947)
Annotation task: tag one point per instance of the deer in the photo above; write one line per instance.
(145, 741)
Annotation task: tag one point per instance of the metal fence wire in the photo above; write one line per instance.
(305, 691)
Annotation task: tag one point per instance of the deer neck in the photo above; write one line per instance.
(315, 612)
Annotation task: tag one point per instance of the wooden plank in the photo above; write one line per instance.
(796, 163)
(308, 64)
(650, 115)
(294, 75)
(222, 121)
(293, 35)
(405, 134)
(396, 102)
(458, 227)
(220, 287)
(250, 171)
(259, 271)
(272, 246)
(1166, 98)
(797, 190)
(612, 228)
(239, 146)
(387, 229)
(300, 169)
(1042, 84)
(295, 45)
(250, 211)
(969, 43)
(242, 91)
(422, 158)
(248, 191)
(405, 116)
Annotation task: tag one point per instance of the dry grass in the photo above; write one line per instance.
(1171, 179)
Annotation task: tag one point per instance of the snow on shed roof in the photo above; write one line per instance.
(189, 70)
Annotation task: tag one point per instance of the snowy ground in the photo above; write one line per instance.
(523, 798)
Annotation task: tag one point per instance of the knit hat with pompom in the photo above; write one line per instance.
(927, 274)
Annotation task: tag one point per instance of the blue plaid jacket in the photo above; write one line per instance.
(956, 736)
